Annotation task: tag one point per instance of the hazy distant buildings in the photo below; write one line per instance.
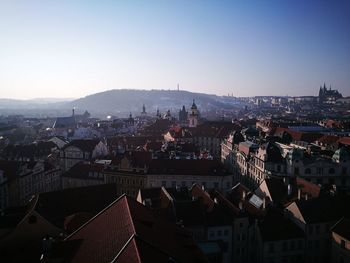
(80, 151)
(328, 96)
(183, 116)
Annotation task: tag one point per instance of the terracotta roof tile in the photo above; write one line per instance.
(112, 233)
(344, 141)
(342, 228)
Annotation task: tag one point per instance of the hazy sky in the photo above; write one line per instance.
(75, 48)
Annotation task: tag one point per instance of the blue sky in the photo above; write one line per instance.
(75, 48)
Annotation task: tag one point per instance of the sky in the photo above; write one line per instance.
(245, 48)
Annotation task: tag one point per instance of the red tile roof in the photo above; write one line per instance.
(198, 192)
(306, 187)
(342, 228)
(344, 140)
(127, 231)
(298, 136)
(328, 139)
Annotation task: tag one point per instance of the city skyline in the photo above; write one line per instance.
(74, 49)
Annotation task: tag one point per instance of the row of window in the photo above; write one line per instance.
(219, 233)
(316, 229)
(319, 170)
(174, 184)
(286, 245)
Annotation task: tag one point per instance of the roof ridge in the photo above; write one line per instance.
(30, 209)
(99, 213)
(332, 228)
(124, 247)
(129, 212)
(155, 247)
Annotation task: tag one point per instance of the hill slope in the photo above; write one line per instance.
(117, 101)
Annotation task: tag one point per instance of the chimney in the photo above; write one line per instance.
(73, 112)
(289, 189)
(264, 203)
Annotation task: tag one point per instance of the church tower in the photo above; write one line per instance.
(193, 116)
(143, 110)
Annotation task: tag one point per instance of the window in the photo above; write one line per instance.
(307, 171)
(343, 170)
(343, 181)
(183, 184)
(292, 245)
(342, 243)
(219, 233)
(309, 244)
(331, 171)
(173, 184)
(285, 245)
(271, 248)
(317, 244)
(311, 230)
(211, 234)
(296, 171)
(317, 230)
(216, 185)
(300, 244)
(164, 183)
(225, 232)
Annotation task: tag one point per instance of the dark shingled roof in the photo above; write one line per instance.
(56, 206)
(82, 171)
(324, 209)
(86, 145)
(64, 122)
(276, 227)
(277, 189)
